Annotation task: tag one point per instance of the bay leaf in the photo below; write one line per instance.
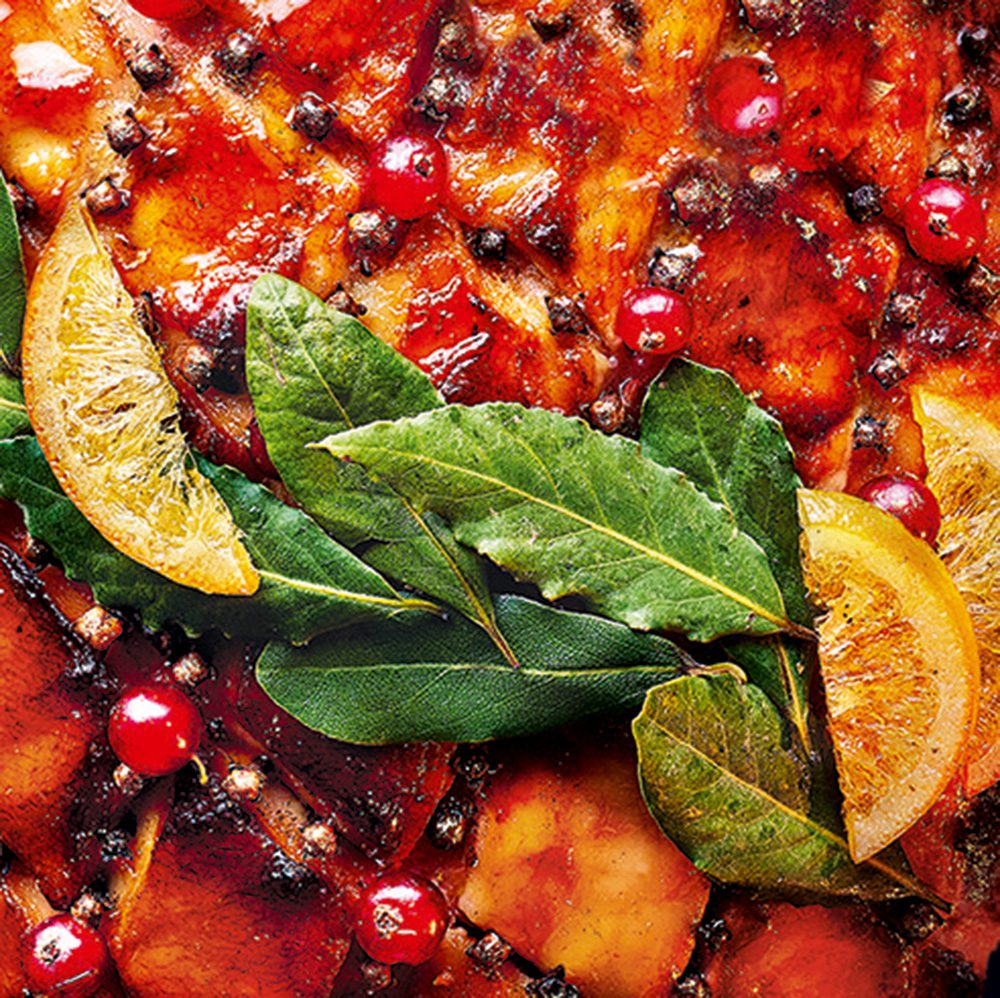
(13, 285)
(716, 778)
(446, 681)
(14, 420)
(576, 512)
(697, 420)
(309, 583)
(312, 372)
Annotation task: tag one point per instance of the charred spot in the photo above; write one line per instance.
(979, 839)
(106, 197)
(488, 952)
(376, 823)
(374, 237)
(445, 93)
(863, 203)
(115, 845)
(945, 973)
(967, 105)
(342, 301)
(546, 229)
(551, 28)
(22, 202)
(672, 268)
(313, 117)
(553, 985)
(700, 196)
(286, 878)
(37, 553)
(488, 244)
(150, 68)
(223, 332)
(124, 133)
(450, 823)
(691, 985)
(978, 286)
(751, 347)
(203, 809)
(629, 19)
(911, 919)
(239, 56)
(869, 432)
(887, 370)
(566, 314)
(975, 42)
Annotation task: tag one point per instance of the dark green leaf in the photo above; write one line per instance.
(313, 372)
(12, 281)
(309, 583)
(716, 777)
(14, 420)
(697, 420)
(575, 511)
(445, 681)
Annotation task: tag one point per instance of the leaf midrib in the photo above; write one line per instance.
(347, 594)
(658, 556)
(502, 668)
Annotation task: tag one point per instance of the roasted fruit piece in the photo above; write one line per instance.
(569, 831)
(209, 906)
(52, 702)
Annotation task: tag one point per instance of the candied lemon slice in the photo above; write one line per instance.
(107, 418)
(898, 660)
(962, 451)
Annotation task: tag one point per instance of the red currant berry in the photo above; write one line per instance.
(743, 96)
(401, 919)
(64, 957)
(944, 223)
(654, 320)
(168, 10)
(154, 730)
(407, 175)
(909, 500)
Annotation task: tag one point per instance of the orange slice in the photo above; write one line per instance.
(898, 660)
(962, 451)
(107, 418)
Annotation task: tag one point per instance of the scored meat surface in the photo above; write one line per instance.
(582, 162)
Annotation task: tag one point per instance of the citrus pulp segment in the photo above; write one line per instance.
(962, 451)
(107, 419)
(898, 661)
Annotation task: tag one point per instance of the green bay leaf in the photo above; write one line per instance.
(13, 286)
(309, 583)
(697, 419)
(446, 681)
(14, 420)
(312, 372)
(564, 506)
(716, 778)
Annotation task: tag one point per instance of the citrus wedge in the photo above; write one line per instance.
(962, 451)
(898, 661)
(107, 418)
